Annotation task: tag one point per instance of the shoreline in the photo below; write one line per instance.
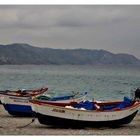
(10, 125)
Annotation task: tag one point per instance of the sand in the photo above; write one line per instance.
(10, 125)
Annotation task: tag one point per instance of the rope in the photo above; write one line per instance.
(24, 125)
(27, 124)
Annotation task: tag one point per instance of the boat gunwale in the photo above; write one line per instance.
(24, 96)
(135, 105)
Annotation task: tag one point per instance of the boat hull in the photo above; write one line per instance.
(79, 98)
(17, 106)
(63, 122)
(18, 110)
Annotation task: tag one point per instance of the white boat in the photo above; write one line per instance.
(93, 114)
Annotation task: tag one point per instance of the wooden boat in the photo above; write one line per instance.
(20, 105)
(17, 102)
(87, 114)
(75, 97)
(22, 92)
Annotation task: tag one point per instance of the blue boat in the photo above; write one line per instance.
(21, 105)
(17, 102)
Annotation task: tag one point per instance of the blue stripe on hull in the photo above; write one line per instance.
(12, 108)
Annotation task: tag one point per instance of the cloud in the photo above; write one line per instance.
(114, 28)
(65, 16)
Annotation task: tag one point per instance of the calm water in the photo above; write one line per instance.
(101, 83)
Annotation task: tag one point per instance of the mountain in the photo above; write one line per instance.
(19, 54)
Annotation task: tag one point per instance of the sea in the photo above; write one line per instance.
(105, 83)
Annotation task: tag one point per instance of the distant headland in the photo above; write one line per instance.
(20, 54)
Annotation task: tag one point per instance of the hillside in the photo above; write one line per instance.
(19, 54)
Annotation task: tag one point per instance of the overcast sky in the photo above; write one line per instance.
(113, 28)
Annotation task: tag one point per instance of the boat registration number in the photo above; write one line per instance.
(58, 110)
(21, 101)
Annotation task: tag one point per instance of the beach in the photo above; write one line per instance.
(10, 125)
